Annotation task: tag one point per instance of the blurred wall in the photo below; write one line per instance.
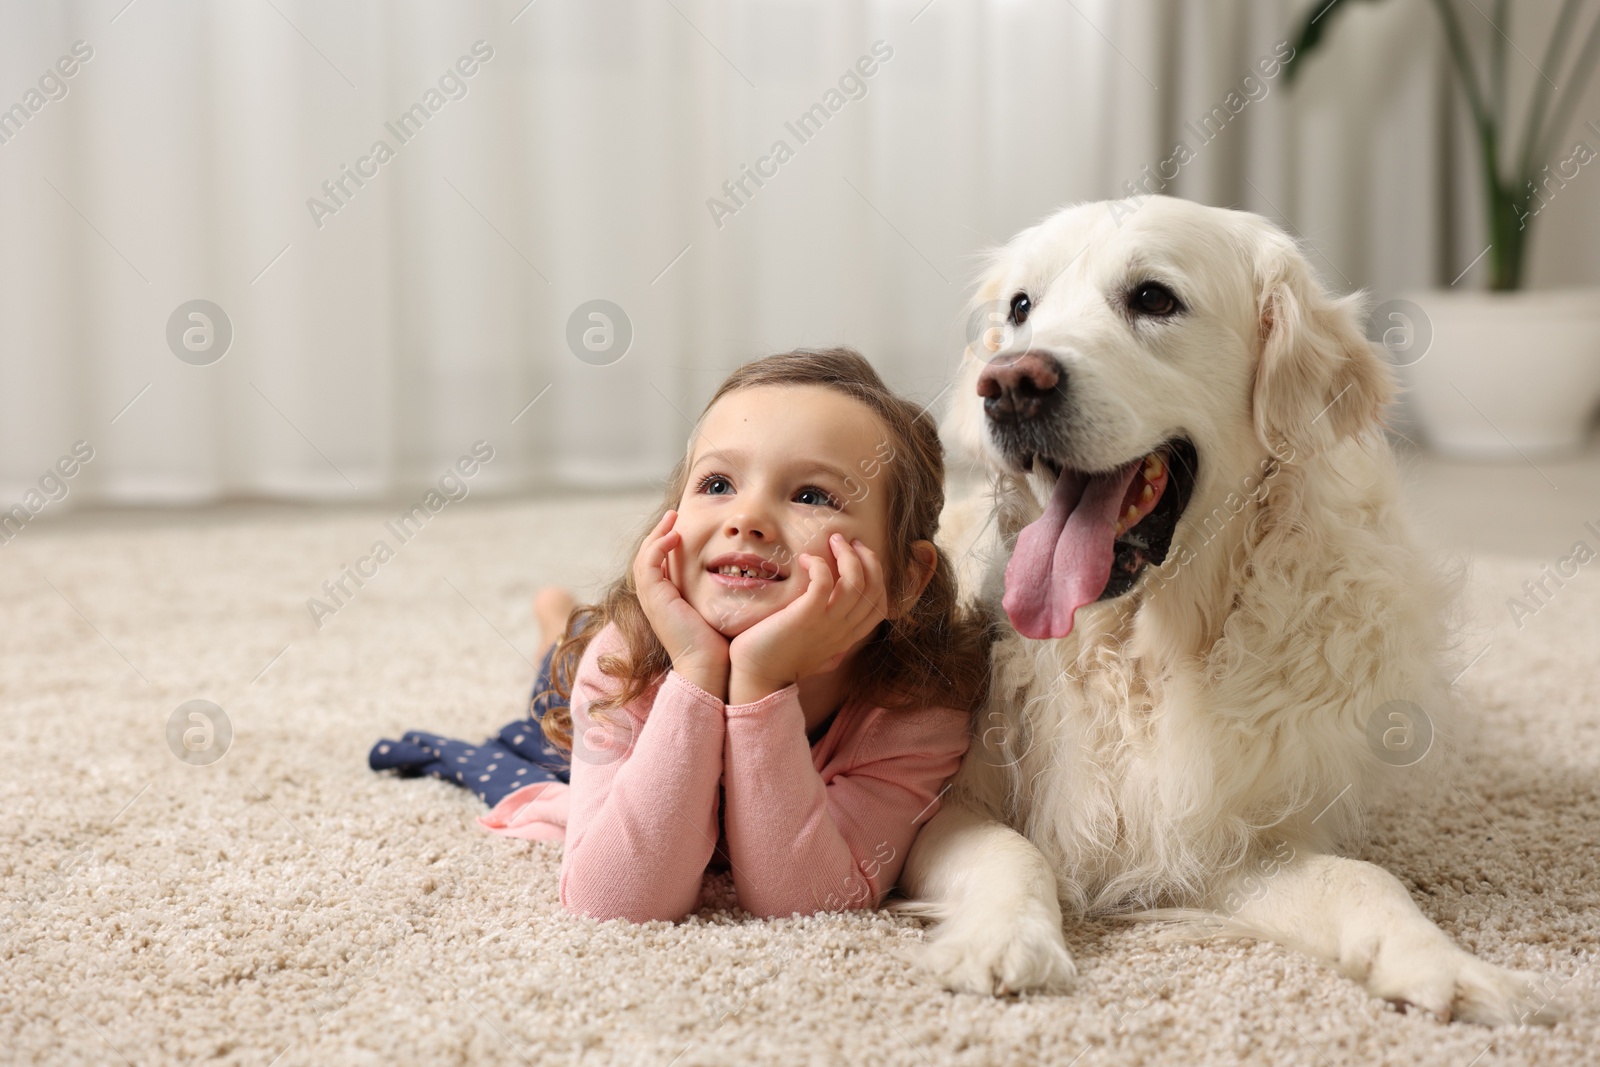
(389, 308)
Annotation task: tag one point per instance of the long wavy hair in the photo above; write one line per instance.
(934, 653)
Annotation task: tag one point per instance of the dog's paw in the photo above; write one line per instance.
(1453, 984)
(998, 954)
(1499, 996)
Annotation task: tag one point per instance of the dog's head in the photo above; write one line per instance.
(1143, 356)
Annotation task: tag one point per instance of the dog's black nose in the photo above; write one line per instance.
(1020, 388)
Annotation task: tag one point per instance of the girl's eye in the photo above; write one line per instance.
(813, 497)
(714, 485)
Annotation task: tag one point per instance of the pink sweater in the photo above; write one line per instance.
(807, 828)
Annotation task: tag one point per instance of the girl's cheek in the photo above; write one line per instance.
(825, 549)
(803, 539)
(821, 545)
(814, 541)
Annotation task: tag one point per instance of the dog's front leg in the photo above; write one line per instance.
(1359, 918)
(995, 896)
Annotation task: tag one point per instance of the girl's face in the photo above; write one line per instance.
(773, 471)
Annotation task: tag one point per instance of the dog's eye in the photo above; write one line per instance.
(1153, 298)
(1020, 307)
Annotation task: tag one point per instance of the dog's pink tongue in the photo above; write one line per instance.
(1063, 558)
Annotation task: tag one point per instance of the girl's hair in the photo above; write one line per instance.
(935, 653)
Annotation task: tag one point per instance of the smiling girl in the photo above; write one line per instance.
(782, 681)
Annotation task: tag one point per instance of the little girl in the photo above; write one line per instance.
(786, 653)
(780, 684)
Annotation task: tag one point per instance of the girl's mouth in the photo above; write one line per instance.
(744, 570)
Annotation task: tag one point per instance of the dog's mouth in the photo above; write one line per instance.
(1098, 533)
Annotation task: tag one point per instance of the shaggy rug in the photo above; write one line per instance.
(284, 905)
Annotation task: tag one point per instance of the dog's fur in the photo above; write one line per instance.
(1197, 748)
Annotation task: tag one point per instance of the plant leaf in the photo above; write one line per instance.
(1318, 18)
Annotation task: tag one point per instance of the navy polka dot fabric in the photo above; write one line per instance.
(519, 755)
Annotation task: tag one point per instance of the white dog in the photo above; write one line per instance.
(1220, 622)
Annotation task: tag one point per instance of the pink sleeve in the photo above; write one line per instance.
(797, 844)
(643, 818)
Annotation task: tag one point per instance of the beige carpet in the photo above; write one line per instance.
(287, 906)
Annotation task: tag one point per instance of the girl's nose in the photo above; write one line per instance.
(752, 526)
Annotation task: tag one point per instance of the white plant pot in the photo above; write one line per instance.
(1503, 375)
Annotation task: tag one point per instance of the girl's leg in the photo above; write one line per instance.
(551, 606)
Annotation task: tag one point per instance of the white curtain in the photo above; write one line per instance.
(374, 344)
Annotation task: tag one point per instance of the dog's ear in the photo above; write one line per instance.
(1319, 380)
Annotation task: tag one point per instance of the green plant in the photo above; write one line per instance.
(1508, 184)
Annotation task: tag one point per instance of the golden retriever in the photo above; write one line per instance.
(1215, 619)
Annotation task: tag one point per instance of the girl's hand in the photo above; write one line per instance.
(698, 652)
(812, 634)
